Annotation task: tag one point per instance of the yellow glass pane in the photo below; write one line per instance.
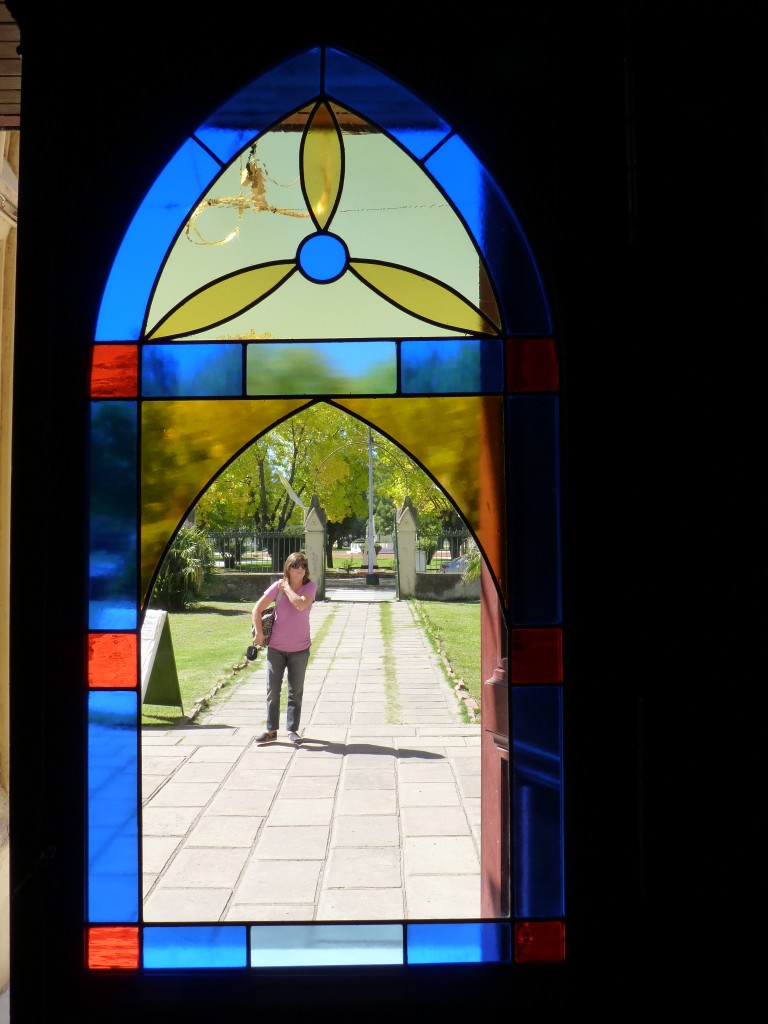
(184, 446)
(322, 164)
(424, 297)
(302, 309)
(459, 441)
(222, 300)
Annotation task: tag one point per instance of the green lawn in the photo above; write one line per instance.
(344, 563)
(454, 629)
(209, 645)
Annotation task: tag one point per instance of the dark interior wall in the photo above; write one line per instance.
(627, 148)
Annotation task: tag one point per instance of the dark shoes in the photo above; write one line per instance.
(271, 735)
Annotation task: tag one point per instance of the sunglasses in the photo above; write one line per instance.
(298, 565)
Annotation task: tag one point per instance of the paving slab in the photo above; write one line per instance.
(375, 816)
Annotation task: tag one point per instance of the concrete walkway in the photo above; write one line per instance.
(376, 816)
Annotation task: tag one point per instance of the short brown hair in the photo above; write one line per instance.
(292, 558)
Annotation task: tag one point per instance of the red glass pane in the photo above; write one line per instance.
(537, 656)
(113, 948)
(112, 660)
(531, 364)
(538, 942)
(114, 371)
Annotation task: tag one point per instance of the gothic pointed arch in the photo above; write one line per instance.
(326, 234)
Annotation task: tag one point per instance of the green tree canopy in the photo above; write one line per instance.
(321, 450)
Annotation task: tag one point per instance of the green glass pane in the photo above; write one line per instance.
(322, 368)
(323, 945)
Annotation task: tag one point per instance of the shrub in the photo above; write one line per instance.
(472, 572)
(187, 566)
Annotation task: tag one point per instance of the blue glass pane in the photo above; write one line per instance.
(387, 103)
(323, 257)
(537, 800)
(112, 563)
(459, 943)
(438, 367)
(260, 104)
(497, 232)
(179, 371)
(113, 828)
(320, 945)
(194, 946)
(165, 207)
(534, 509)
(334, 368)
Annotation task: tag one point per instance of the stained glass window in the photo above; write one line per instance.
(325, 236)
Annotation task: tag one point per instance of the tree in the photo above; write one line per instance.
(248, 495)
(351, 526)
(321, 450)
(310, 451)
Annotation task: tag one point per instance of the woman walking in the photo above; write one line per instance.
(289, 644)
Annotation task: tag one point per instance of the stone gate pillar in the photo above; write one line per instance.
(407, 521)
(314, 544)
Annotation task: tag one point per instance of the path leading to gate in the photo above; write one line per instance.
(376, 816)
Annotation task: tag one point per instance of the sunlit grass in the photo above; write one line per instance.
(209, 645)
(391, 686)
(453, 628)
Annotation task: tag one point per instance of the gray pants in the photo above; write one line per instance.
(277, 663)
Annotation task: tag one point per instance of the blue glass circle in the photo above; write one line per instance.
(322, 257)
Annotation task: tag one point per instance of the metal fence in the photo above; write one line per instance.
(449, 546)
(249, 551)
